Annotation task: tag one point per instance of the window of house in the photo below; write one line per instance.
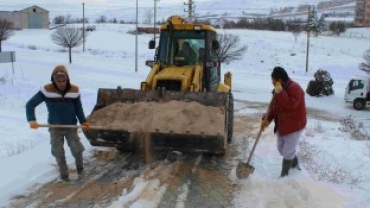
(34, 10)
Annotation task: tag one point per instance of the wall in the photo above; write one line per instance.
(21, 18)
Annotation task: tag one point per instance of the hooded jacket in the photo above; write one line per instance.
(64, 107)
(288, 109)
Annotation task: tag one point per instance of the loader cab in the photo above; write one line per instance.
(180, 45)
(181, 48)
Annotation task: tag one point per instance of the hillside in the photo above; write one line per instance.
(205, 9)
(334, 175)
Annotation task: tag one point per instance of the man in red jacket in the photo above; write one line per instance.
(288, 110)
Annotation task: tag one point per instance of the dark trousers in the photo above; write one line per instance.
(57, 148)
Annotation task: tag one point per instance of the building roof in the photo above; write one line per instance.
(36, 7)
(18, 8)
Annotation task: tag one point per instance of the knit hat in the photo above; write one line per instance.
(279, 73)
(59, 71)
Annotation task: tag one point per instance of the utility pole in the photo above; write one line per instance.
(308, 28)
(136, 36)
(190, 11)
(155, 16)
(83, 26)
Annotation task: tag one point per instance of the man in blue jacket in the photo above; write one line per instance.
(64, 107)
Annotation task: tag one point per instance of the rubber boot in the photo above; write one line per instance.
(79, 162)
(80, 166)
(80, 174)
(63, 168)
(287, 164)
(295, 163)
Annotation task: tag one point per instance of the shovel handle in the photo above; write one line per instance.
(60, 126)
(260, 131)
(77, 127)
(254, 146)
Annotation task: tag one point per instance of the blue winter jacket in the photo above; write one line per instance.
(63, 109)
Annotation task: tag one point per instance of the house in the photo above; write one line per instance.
(33, 17)
(362, 14)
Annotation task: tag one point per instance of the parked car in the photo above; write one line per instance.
(90, 28)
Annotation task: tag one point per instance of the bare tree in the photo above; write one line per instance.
(68, 37)
(60, 19)
(322, 27)
(6, 30)
(230, 48)
(337, 27)
(365, 66)
(148, 17)
(68, 18)
(102, 19)
(296, 29)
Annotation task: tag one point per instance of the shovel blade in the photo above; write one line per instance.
(243, 170)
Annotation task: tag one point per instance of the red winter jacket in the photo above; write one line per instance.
(289, 109)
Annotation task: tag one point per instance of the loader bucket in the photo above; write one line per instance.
(185, 142)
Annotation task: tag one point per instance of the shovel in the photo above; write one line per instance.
(244, 169)
(79, 126)
(120, 132)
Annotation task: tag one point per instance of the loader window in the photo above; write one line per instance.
(163, 51)
(189, 50)
(201, 54)
(186, 54)
(170, 46)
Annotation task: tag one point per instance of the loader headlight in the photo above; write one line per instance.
(149, 63)
(197, 27)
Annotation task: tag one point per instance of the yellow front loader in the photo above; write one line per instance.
(178, 72)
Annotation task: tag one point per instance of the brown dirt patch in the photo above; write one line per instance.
(104, 155)
(246, 123)
(209, 177)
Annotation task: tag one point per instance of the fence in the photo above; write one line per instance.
(355, 35)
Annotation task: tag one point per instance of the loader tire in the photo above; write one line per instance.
(230, 117)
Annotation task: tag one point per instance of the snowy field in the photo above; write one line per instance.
(109, 61)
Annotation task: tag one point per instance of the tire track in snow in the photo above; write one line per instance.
(101, 173)
(184, 189)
